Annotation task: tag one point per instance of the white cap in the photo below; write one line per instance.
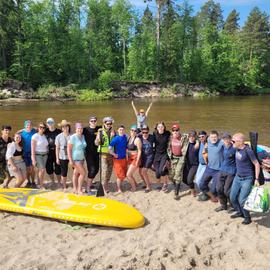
(50, 120)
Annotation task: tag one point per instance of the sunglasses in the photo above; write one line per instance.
(175, 130)
(133, 130)
(108, 124)
(145, 132)
(93, 121)
(202, 136)
(42, 127)
(232, 141)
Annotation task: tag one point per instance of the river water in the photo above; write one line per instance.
(232, 114)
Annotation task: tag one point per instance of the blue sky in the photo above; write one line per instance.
(242, 6)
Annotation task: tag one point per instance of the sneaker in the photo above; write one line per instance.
(237, 215)
(231, 210)
(33, 185)
(28, 185)
(246, 221)
(221, 208)
(203, 197)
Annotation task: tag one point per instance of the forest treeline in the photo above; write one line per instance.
(96, 41)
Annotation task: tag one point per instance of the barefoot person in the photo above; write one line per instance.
(52, 168)
(103, 139)
(161, 158)
(91, 153)
(244, 178)
(147, 156)
(141, 115)
(61, 142)
(177, 152)
(227, 172)
(39, 148)
(117, 148)
(134, 151)
(4, 141)
(27, 134)
(76, 156)
(15, 162)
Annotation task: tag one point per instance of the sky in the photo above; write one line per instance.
(242, 6)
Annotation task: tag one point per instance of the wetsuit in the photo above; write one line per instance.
(3, 163)
(91, 154)
(161, 156)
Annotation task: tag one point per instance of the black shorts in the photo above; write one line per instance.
(64, 167)
(147, 161)
(92, 162)
(51, 165)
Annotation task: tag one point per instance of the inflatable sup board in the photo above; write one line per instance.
(70, 207)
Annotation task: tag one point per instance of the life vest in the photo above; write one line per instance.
(105, 140)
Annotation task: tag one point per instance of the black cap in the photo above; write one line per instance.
(202, 133)
(192, 133)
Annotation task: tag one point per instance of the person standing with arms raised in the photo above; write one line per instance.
(141, 116)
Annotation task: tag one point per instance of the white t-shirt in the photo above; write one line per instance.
(41, 143)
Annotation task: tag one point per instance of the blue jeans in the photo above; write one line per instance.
(240, 190)
(209, 174)
(199, 174)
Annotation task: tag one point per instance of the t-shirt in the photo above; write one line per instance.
(90, 135)
(215, 154)
(228, 163)
(176, 147)
(244, 158)
(161, 142)
(78, 147)
(41, 143)
(51, 135)
(120, 145)
(61, 141)
(141, 120)
(26, 138)
(192, 155)
(3, 148)
(201, 159)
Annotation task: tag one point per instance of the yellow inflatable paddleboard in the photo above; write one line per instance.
(70, 207)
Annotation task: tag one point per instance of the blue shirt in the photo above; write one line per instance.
(201, 159)
(120, 146)
(26, 138)
(244, 161)
(215, 154)
(228, 164)
(78, 147)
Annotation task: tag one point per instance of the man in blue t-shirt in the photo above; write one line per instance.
(215, 158)
(118, 148)
(227, 171)
(27, 134)
(244, 178)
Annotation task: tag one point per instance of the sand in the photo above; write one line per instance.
(184, 234)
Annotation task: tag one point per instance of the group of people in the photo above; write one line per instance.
(220, 169)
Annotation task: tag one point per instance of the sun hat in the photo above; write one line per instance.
(63, 123)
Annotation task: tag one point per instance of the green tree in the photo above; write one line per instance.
(231, 25)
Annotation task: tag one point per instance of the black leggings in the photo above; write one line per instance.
(64, 167)
(92, 161)
(160, 165)
(51, 165)
(189, 174)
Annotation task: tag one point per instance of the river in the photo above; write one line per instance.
(232, 114)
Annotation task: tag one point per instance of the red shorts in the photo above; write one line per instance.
(132, 158)
(120, 168)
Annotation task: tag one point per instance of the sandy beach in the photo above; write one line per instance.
(184, 234)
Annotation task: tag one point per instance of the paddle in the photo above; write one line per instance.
(100, 191)
(253, 136)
